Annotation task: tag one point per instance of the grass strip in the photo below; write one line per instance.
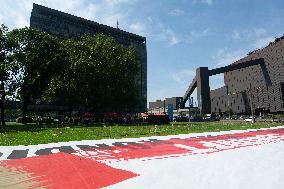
(16, 134)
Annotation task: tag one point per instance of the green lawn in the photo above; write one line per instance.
(17, 134)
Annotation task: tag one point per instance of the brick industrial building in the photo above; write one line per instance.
(253, 83)
(63, 25)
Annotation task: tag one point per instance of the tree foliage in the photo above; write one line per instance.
(3, 53)
(100, 73)
(94, 73)
(3, 68)
(36, 56)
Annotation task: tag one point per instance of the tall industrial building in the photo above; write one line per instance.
(63, 25)
(253, 83)
(259, 88)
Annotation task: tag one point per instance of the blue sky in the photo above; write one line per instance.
(181, 34)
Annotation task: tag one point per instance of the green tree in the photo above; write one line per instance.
(4, 50)
(37, 56)
(101, 73)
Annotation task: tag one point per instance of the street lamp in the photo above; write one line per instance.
(229, 106)
(229, 109)
(252, 107)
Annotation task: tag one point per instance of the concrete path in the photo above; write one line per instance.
(231, 159)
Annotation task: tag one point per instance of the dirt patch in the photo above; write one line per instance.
(10, 178)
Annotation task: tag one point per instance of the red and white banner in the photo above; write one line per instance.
(232, 159)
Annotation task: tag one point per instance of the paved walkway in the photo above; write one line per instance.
(232, 159)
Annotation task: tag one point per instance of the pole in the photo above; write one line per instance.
(189, 109)
(252, 109)
(229, 109)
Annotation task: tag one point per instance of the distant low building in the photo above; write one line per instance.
(161, 104)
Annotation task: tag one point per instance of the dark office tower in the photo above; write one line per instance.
(63, 25)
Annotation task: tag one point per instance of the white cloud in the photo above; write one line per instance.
(194, 35)
(263, 42)
(224, 58)
(254, 38)
(182, 77)
(262, 39)
(236, 35)
(176, 12)
(259, 31)
(111, 20)
(118, 2)
(208, 2)
(16, 13)
(138, 28)
(169, 36)
(150, 19)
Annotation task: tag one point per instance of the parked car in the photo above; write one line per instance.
(28, 120)
(249, 119)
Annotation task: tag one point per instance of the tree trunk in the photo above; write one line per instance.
(2, 111)
(2, 100)
(25, 107)
(25, 104)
